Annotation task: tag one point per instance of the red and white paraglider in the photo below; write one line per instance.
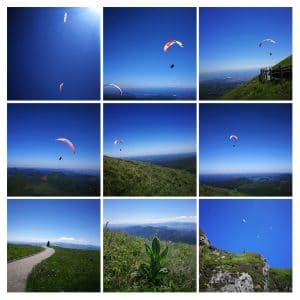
(170, 43)
(68, 143)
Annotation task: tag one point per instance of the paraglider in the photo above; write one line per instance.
(61, 87)
(68, 143)
(65, 17)
(170, 43)
(60, 158)
(271, 41)
(115, 86)
(119, 142)
(172, 66)
(234, 138)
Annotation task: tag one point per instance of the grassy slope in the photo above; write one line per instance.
(55, 185)
(19, 251)
(124, 253)
(280, 280)
(68, 270)
(131, 178)
(256, 90)
(207, 190)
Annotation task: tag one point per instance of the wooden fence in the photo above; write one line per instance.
(276, 74)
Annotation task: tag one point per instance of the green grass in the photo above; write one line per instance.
(206, 190)
(123, 254)
(280, 280)
(132, 178)
(256, 90)
(68, 270)
(19, 251)
(53, 185)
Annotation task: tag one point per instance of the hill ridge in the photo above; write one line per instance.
(133, 178)
(256, 90)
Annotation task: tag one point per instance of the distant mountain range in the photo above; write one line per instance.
(177, 232)
(246, 185)
(58, 244)
(51, 182)
(183, 161)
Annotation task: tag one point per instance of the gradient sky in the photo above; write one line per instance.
(229, 37)
(67, 221)
(264, 144)
(149, 129)
(43, 51)
(33, 128)
(134, 40)
(123, 211)
(262, 226)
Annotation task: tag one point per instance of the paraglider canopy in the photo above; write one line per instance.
(170, 43)
(234, 138)
(267, 41)
(115, 86)
(65, 17)
(68, 143)
(119, 142)
(61, 87)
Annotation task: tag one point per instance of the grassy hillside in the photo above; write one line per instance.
(124, 254)
(56, 184)
(132, 178)
(280, 280)
(224, 271)
(256, 90)
(277, 186)
(207, 190)
(19, 251)
(68, 270)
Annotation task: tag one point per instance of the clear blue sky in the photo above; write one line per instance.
(229, 37)
(149, 129)
(133, 47)
(43, 51)
(68, 221)
(140, 211)
(34, 128)
(264, 144)
(262, 226)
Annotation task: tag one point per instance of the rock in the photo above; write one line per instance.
(228, 282)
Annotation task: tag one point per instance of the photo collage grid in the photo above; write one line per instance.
(149, 149)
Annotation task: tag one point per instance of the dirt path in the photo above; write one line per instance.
(18, 270)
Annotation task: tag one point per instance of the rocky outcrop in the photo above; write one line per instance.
(224, 271)
(228, 282)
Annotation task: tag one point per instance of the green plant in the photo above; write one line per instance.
(154, 272)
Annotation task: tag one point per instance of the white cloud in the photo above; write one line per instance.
(179, 219)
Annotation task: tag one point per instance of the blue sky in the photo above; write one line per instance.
(262, 226)
(133, 47)
(67, 221)
(43, 52)
(264, 142)
(34, 128)
(229, 37)
(123, 211)
(149, 129)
